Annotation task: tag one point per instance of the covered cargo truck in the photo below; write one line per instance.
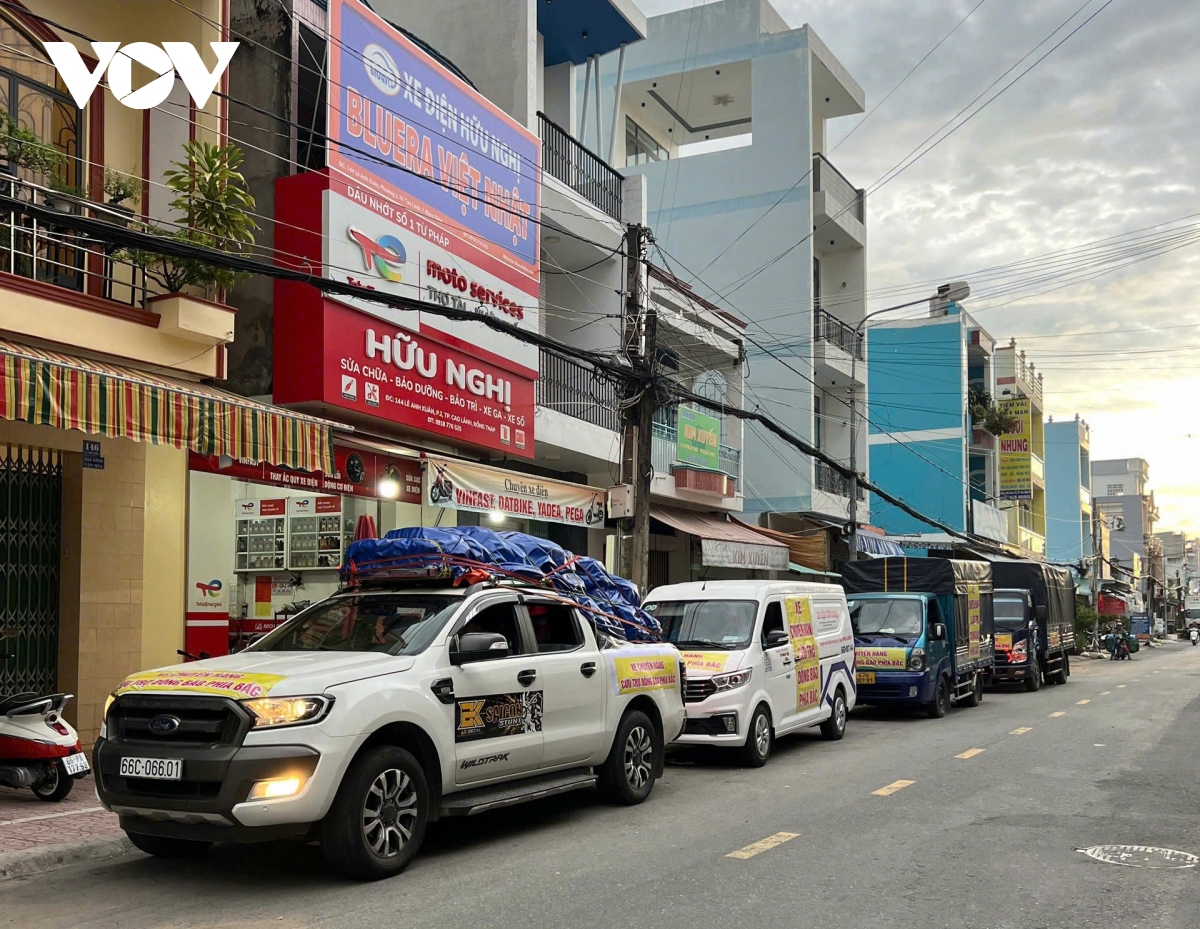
(923, 630)
(1035, 621)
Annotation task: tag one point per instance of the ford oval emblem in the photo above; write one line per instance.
(164, 724)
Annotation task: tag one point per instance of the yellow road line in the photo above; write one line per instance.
(1082, 702)
(892, 788)
(1058, 714)
(763, 845)
(1120, 685)
(970, 753)
(1105, 693)
(1022, 730)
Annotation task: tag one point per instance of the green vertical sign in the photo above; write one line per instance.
(699, 439)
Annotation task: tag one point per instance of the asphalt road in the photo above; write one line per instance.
(987, 841)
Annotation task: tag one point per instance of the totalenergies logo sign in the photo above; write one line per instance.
(385, 255)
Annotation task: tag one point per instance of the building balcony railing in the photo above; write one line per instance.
(1037, 468)
(828, 328)
(578, 391)
(664, 453)
(834, 482)
(845, 197)
(579, 168)
(47, 252)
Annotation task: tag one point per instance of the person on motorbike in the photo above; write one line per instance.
(1194, 635)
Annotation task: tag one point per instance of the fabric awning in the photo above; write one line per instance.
(725, 544)
(877, 545)
(52, 389)
(809, 572)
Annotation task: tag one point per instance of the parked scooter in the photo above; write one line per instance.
(38, 748)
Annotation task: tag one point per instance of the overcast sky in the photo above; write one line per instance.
(1101, 138)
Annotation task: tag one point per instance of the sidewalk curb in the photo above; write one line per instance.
(29, 862)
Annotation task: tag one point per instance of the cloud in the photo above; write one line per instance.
(1097, 140)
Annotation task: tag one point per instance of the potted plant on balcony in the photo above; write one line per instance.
(62, 196)
(215, 211)
(120, 187)
(985, 414)
(23, 149)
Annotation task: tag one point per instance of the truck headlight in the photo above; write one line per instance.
(1020, 651)
(731, 681)
(916, 659)
(272, 712)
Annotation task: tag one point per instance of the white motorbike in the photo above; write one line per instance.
(1194, 635)
(38, 748)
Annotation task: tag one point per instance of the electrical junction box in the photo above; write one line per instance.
(620, 501)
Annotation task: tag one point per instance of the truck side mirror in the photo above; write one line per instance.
(1039, 612)
(477, 646)
(939, 632)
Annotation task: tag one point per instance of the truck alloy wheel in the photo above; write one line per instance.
(390, 813)
(627, 775)
(377, 821)
(639, 758)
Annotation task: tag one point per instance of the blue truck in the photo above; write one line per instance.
(923, 631)
(1035, 622)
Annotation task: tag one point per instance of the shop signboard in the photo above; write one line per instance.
(726, 553)
(461, 485)
(1016, 468)
(1139, 625)
(698, 440)
(359, 473)
(435, 192)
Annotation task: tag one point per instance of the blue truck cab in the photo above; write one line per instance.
(923, 631)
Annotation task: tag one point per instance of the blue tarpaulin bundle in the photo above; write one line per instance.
(611, 602)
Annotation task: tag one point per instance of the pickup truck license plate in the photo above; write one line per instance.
(865, 677)
(76, 764)
(155, 769)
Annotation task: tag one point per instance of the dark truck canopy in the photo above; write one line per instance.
(1049, 585)
(915, 575)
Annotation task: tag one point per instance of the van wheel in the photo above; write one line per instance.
(835, 726)
(940, 705)
(627, 775)
(377, 821)
(757, 749)
(161, 846)
(1033, 680)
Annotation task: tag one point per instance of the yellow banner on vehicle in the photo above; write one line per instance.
(804, 644)
(236, 684)
(974, 621)
(881, 659)
(708, 662)
(1004, 641)
(639, 673)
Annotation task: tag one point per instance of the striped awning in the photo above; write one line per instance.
(52, 389)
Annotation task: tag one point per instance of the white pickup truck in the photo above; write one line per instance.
(375, 712)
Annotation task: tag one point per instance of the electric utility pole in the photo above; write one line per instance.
(639, 399)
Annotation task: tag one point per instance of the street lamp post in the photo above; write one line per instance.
(951, 293)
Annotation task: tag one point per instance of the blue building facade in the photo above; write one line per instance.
(921, 443)
(1068, 490)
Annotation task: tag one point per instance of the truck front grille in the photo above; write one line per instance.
(697, 691)
(203, 721)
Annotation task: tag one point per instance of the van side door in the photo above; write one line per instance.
(835, 644)
(779, 666)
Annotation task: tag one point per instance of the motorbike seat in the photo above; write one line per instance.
(16, 700)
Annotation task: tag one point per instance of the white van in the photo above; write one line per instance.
(763, 659)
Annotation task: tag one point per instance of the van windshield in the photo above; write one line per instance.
(1010, 614)
(886, 617)
(722, 624)
(399, 624)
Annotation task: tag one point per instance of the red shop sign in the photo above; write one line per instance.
(359, 473)
(370, 366)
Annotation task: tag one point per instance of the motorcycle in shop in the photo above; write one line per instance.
(38, 748)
